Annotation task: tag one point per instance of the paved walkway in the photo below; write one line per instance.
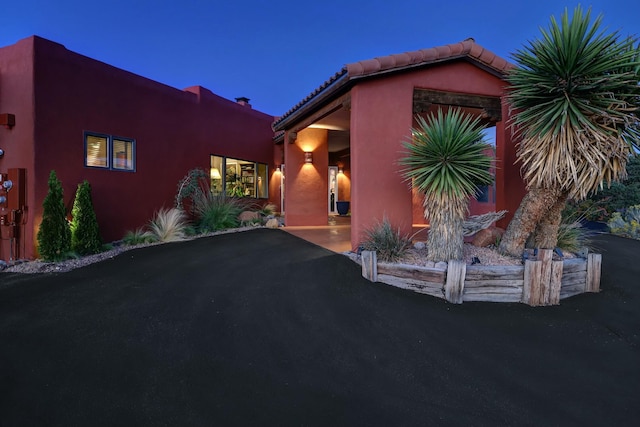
(263, 328)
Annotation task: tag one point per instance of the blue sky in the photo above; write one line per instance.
(276, 52)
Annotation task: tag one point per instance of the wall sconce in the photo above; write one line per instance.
(278, 169)
(1, 152)
(340, 171)
(308, 157)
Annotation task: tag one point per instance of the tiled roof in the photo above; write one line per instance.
(385, 64)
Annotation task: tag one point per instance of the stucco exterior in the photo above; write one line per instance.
(56, 95)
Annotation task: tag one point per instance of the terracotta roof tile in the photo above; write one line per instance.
(465, 49)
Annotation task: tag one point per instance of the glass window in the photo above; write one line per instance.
(96, 148)
(123, 154)
(241, 178)
(105, 151)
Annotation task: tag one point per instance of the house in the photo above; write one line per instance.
(132, 138)
(356, 121)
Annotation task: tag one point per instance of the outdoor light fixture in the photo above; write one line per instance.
(1, 152)
(7, 184)
(308, 157)
(340, 171)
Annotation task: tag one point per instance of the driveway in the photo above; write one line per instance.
(263, 328)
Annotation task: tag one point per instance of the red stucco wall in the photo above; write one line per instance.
(381, 118)
(306, 184)
(175, 131)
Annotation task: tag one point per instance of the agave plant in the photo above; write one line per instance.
(574, 96)
(446, 161)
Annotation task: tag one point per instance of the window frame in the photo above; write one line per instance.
(110, 151)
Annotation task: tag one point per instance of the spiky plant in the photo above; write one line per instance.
(54, 235)
(85, 232)
(388, 243)
(574, 97)
(217, 212)
(168, 225)
(446, 161)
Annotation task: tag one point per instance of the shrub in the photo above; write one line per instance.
(168, 225)
(54, 235)
(137, 237)
(572, 236)
(268, 209)
(190, 188)
(388, 243)
(217, 212)
(626, 223)
(85, 232)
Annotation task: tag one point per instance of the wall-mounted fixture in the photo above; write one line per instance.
(7, 184)
(1, 152)
(340, 171)
(8, 120)
(308, 157)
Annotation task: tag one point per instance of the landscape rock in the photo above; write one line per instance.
(488, 236)
(419, 245)
(248, 216)
(272, 223)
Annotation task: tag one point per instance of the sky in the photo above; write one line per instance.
(276, 52)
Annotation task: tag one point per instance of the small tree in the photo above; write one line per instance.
(54, 235)
(85, 232)
(446, 161)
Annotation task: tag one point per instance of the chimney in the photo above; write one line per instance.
(243, 101)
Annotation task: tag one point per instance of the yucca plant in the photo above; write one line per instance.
(574, 97)
(168, 225)
(446, 161)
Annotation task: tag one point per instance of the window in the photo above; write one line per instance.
(239, 178)
(109, 152)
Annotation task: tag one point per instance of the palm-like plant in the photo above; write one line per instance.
(574, 97)
(446, 161)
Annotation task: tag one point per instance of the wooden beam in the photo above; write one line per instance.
(424, 99)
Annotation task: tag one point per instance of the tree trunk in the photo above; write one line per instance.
(445, 241)
(545, 235)
(534, 206)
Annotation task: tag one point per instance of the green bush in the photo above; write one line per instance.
(137, 237)
(626, 223)
(85, 232)
(168, 225)
(388, 243)
(54, 235)
(217, 212)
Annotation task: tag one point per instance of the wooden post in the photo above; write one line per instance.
(531, 286)
(594, 267)
(556, 282)
(546, 256)
(370, 265)
(454, 286)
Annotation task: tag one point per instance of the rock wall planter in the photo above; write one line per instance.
(538, 282)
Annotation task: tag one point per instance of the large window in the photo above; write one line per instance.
(109, 152)
(239, 178)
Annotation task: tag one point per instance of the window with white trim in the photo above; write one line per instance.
(109, 152)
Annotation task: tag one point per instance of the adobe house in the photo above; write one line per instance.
(132, 138)
(355, 123)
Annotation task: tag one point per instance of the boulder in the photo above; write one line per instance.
(488, 236)
(272, 223)
(248, 216)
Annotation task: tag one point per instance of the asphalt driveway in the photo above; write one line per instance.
(262, 328)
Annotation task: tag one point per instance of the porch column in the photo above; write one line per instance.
(306, 184)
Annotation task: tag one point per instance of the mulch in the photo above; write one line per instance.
(263, 328)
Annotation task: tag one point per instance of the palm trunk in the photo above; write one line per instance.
(545, 235)
(534, 206)
(445, 241)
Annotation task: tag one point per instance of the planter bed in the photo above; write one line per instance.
(540, 281)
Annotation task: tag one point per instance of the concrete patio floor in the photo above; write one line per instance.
(336, 235)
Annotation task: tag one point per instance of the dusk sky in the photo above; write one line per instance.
(276, 52)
